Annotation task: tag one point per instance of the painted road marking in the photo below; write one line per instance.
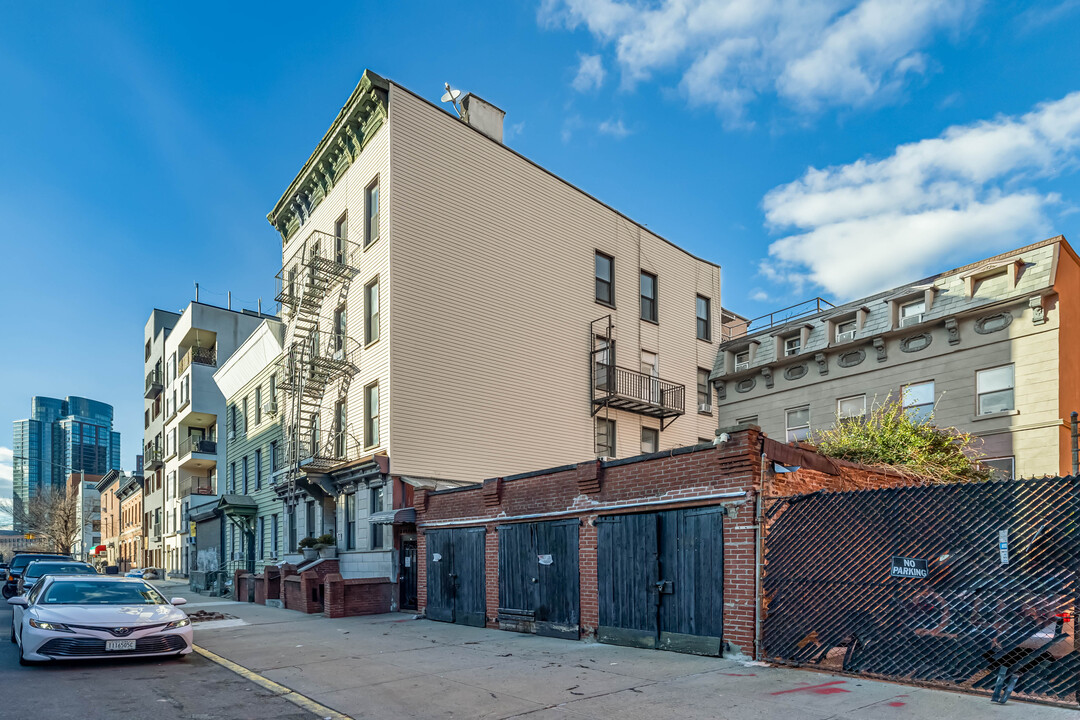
(301, 701)
(822, 689)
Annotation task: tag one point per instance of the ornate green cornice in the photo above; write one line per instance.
(362, 115)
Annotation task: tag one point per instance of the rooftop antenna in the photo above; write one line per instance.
(451, 95)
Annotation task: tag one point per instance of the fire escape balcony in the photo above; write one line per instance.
(325, 453)
(153, 384)
(320, 262)
(637, 392)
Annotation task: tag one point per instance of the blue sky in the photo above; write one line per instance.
(833, 147)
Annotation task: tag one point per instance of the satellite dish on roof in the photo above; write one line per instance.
(451, 95)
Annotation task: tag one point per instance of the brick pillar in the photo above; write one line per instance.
(588, 585)
(237, 574)
(333, 596)
(421, 571)
(491, 574)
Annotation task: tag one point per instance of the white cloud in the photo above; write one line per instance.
(590, 74)
(759, 295)
(727, 52)
(873, 224)
(613, 127)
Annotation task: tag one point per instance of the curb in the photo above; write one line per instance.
(301, 701)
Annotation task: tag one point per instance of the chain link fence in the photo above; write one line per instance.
(970, 586)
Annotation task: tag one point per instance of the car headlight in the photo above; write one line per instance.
(54, 627)
(178, 624)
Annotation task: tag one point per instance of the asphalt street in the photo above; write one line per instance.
(193, 689)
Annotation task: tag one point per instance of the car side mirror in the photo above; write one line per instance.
(19, 600)
(175, 601)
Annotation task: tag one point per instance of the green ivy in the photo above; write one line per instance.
(888, 436)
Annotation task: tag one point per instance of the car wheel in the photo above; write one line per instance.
(8, 592)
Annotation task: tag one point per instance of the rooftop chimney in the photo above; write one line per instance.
(483, 116)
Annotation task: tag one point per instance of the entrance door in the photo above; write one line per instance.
(660, 580)
(408, 575)
(539, 584)
(455, 576)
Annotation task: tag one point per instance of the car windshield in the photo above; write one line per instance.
(22, 561)
(37, 569)
(96, 592)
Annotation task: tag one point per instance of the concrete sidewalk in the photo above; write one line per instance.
(392, 666)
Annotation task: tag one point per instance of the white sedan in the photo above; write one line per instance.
(82, 616)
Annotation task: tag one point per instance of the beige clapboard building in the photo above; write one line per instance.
(989, 348)
(455, 312)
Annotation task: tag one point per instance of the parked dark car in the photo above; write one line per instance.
(53, 566)
(18, 564)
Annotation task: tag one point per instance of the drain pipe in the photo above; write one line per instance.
(759, 530)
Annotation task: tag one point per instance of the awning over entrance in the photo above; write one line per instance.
(99, 550)
(242, 505)
(401, 516)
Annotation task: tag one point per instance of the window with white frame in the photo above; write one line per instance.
(650, 440)
(792, 345)
(846, 330)
(851, 407)
(995, 388)
(912, 312)
(742, 360)
(918, 400)
(605, 265)
(1001, 468)
(798, 423)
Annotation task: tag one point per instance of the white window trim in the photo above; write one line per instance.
(851, 397)
(788, 428)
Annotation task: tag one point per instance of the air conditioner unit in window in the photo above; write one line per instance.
(231, 435)
(911, 320)
(339, 354)
(605, 458)
(704, 407)
(270, 407)
(742, 366)
(845, 336)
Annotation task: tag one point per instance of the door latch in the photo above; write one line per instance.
(665, 587)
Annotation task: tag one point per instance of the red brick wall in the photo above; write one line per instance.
(356, 596)
(646, 484)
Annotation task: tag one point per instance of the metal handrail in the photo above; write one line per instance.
(198, 355)
(153, 378)
(643, 387)
(806, 308)
(195, 444)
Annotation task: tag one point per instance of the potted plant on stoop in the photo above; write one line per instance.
(308, 547)
(326, 545)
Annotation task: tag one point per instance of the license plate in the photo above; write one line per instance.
(119, 644)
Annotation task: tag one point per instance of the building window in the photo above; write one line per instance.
(605, 274)
(274, 529)
(244, 414)
(273, 390)
(232, 421)
(244, 474)
(371, 415)
(918, 401)
(605, 437)
(258, 469)
(742, 360)
(371, 232)
(704, 318)
(704, 399)
(275, 456)
(378, 502)
(851, 407)
(749, 420)
(350, 521)
(232, 478)
(995, 388)
(341, 236)
(339, 430)
(262, 536)
(258, 405)
(798, 423)
(650, 440)
(1002, 468)
(371, 312)
(792, 345)
(309, 519)
(911, 313)
(291, 520)
(604, 365)
(147, 349)
(648, 297)
(337, 341)
(845, 331)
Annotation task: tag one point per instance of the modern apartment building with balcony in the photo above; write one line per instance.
(456, 312)
(192, 408)
(157, 328)
(253, 512)
(988, 348)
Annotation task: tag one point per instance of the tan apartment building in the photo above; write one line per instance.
(456, 312)
(132, 531)
(989, 348)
